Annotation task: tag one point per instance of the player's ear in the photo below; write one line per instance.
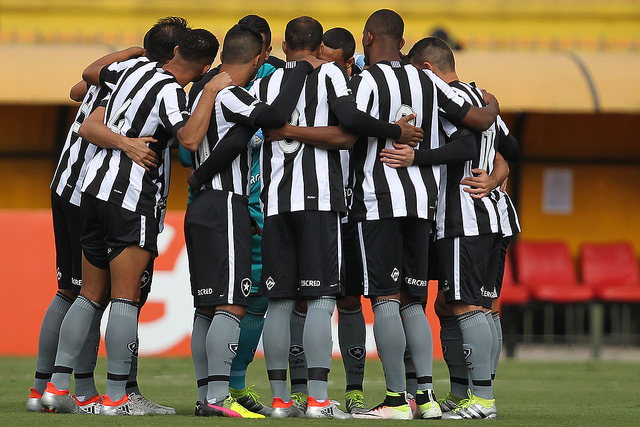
(401, 43)
(266, 56)
(205, 69)
(175, 50)
(284, 47)
(350, 62)
(367, 38)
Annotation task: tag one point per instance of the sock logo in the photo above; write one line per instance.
(270, 283)
(467, 353)
(233, 346)
(133, 348)
(296, 350)
(245, 285)
(357, 352)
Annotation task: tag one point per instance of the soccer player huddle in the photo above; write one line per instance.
(315, 181)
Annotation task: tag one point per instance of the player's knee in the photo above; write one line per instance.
(349, 303)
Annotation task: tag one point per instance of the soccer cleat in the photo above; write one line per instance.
(198, 411)
(249, 399)
(33, 401)
(91, 406)
(282, 409)
(59, 401)
(229, 408)
(124, 406)
(151, 407)
(326, 409)
(394, 407)
(427, 406)
(300, 400)
(354, 401)
(449, 402)
(473, 408)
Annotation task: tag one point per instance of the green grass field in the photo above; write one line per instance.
(528, 393)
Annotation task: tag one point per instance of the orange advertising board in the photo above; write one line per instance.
(28, 274)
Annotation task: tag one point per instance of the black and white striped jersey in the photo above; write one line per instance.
(509, 221)
(389, 90)
(76, 152)
(459, 214)
(296, 176)
(147, 101)
(233, 107)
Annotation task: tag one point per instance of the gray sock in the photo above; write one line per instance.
(276, 338)
(496, 321)
(84, 382)
(494, 341)
(476, 343)
(391, 342)
(352, 333)
(410, 373)
(132, 379)
(297, 356)
(120, 342)
(222, 344)
(201, 324)
(48, 341)
(73, 333)
(453, 353)
(420, 343)
(318, 344)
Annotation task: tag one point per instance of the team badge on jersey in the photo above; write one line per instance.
(405, 110)
(289, 146)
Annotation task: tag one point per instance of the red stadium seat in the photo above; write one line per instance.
(512, 293)
(547, 270)
(611, 270)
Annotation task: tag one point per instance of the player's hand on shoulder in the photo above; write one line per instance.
(220, 81)
(490, 98)
(411, 135)
(315, 62)
(135, 51)
(401, 156)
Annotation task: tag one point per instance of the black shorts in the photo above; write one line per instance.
(301, 255)
(396, 255)
(502, 257)
(467, 268)
(217, 230)
(108, 229)
(66, 217)
(353, 278)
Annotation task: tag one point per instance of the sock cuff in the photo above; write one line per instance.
(281, 304)
(229, 315)
(59, 297)
(86, 303)
(346, 312)
(472, 318)
(201, 315)
(412, 309)
(386, 307)
(496, 316)
(124, 307)
(323, 303)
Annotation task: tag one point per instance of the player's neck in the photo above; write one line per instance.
(184, 75)
(298, 55)
(239, 73)
(383, 53)
(449, 77)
